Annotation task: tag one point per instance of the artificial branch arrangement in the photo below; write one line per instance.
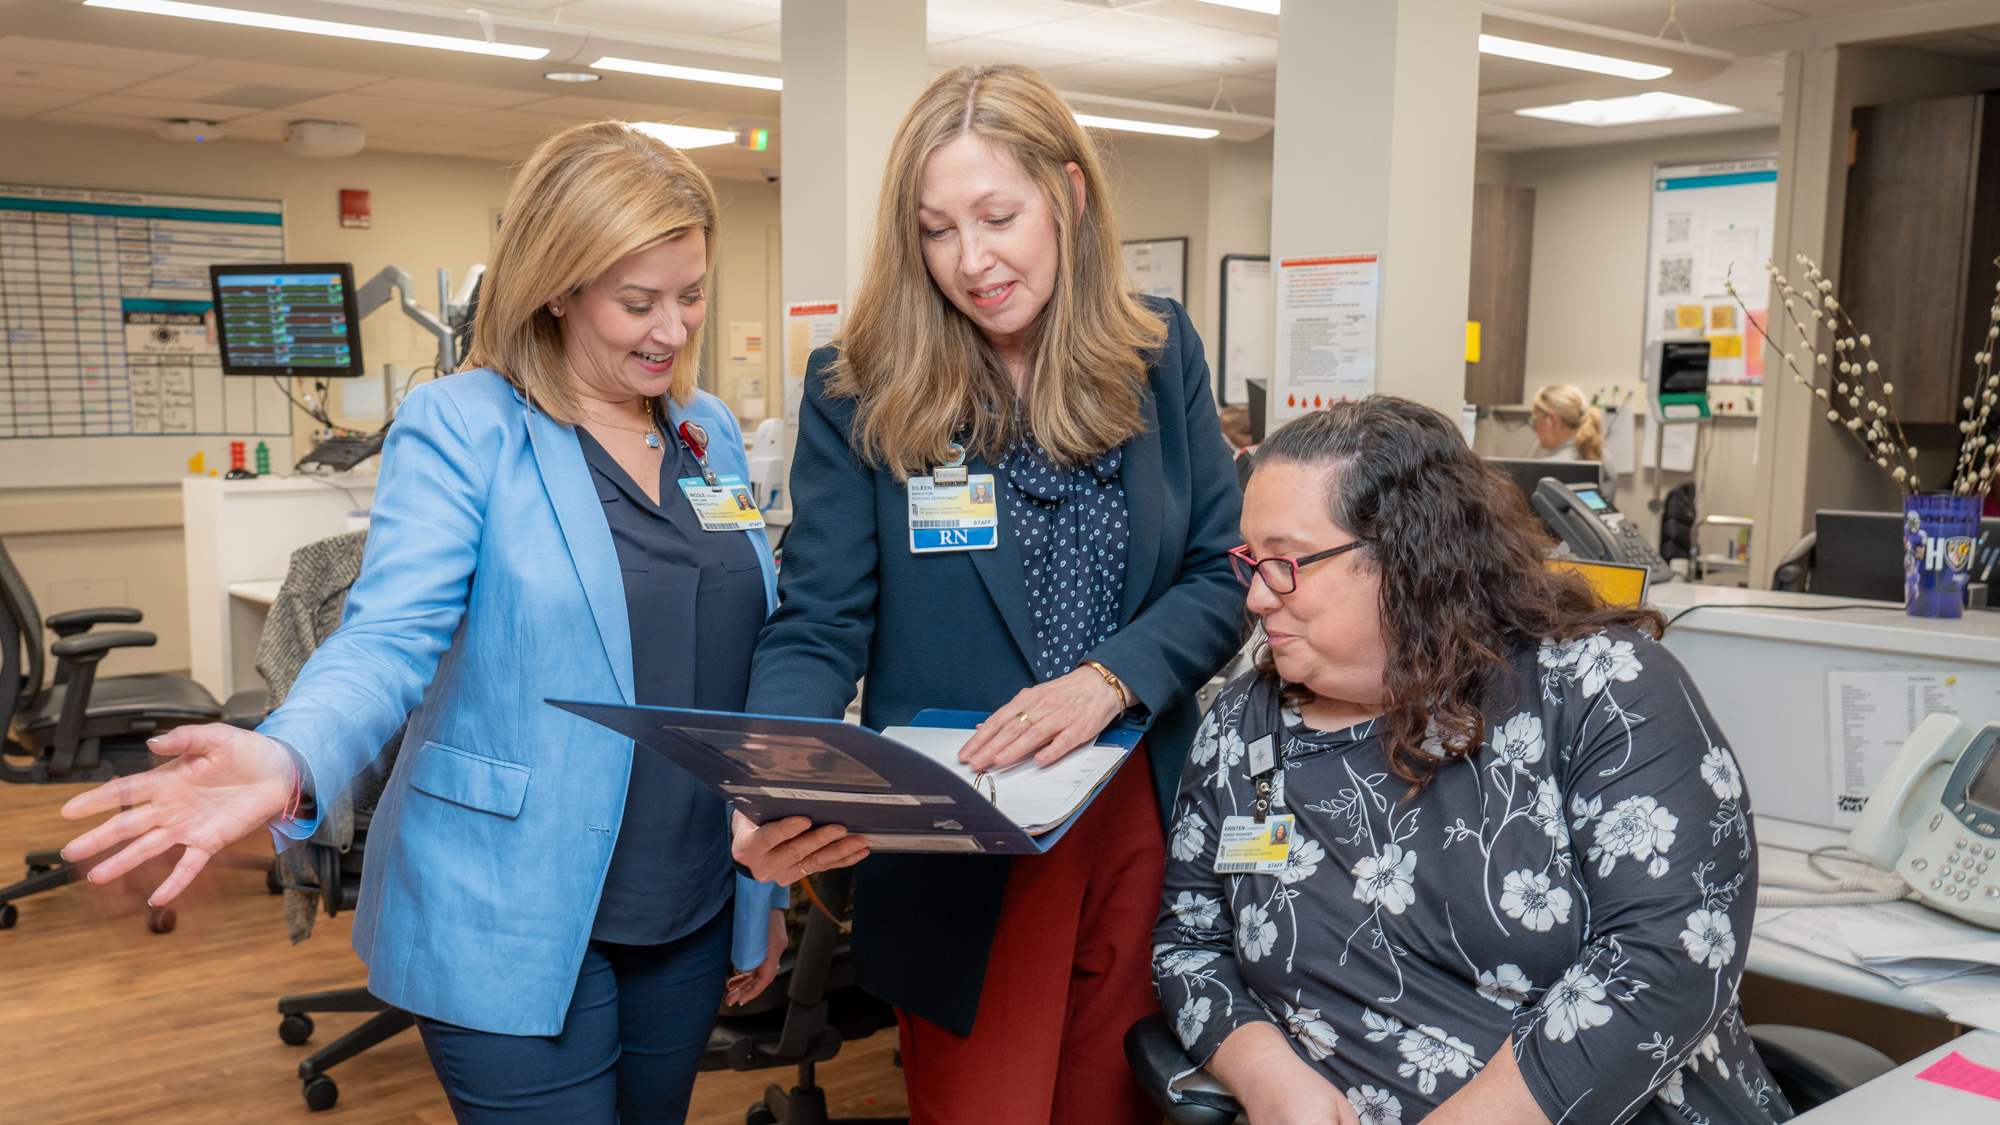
(1859, 395)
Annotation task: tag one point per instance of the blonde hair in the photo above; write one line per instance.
(920, 370)
(590, 195)
(1567, 405)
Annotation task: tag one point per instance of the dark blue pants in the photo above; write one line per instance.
(628, 1050)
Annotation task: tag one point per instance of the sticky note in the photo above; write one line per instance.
(1960, 1073)
(1725, 347)
(1687, 316)
(1721, 317)
(1472, 341)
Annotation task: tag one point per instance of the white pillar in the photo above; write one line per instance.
(1378, 104)
(851, 70)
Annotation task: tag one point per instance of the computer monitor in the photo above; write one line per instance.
(1529, 471)
(287, 319)
(1860, 554)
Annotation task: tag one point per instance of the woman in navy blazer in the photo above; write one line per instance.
(994, 322)
(553, 909)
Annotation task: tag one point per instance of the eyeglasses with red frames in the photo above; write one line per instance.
(1279, 572)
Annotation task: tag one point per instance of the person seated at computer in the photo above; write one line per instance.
(1520, 872)
(1569, 428)
(554, 908)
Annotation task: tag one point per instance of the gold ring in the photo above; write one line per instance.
(804, 870)
(1023, 716)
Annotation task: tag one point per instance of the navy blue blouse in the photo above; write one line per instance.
(1072, 528)
(695, 601)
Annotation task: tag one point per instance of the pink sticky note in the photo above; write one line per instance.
(1960, 1073)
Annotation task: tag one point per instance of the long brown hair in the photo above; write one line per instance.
(920, 371)
(589, 195)
(1461, 561)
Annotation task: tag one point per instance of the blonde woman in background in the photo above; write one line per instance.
(555, 910)
(994, 323)
(1566, 425)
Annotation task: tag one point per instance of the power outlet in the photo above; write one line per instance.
(1735, 400)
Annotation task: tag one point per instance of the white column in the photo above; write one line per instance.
(851, 70)
(1378, 102)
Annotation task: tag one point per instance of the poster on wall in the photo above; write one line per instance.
(1158, 266)
(1712, 224)
(1324, 351)
(808, 325)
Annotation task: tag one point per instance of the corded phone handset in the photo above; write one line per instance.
(1582, 518)
(1935, 818)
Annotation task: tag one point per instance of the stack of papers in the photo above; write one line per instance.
(1949, 964)
(1038, 798)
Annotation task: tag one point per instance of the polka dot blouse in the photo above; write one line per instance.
(1071, 526)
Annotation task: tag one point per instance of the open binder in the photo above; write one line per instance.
(833, 772)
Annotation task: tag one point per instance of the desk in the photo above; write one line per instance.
(1763, 674)
(240, 536)
(1900, 1096)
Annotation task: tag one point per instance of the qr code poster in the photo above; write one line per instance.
(1676, 275)
(1680, 227)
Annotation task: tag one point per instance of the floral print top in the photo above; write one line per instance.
(1584, 884)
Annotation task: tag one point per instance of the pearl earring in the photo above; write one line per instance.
(555, 309)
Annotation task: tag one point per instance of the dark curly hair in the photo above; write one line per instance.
(1464, 585)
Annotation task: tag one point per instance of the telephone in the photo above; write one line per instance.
(1935, 818)
(1582, 518)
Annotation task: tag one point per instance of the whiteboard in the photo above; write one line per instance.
(1712, 223)
(1158, 266)
(1247, 322)
(110, 372)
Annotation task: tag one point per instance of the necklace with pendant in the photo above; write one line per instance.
(651, 432)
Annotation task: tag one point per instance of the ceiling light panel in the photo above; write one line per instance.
(271, 22)
(1127, 125)
(1268, 7)
(690, 73)
(1653, 106)
(686, 136)
(1574, 60)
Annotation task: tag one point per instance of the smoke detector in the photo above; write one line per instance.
(189, 129)
(324, 138)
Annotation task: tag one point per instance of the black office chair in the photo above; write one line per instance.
(80, 728)
(803, 1017)
(1811, 1067)
(1794, 571)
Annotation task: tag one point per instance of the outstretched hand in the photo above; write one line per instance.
(1047, 720)
(221, 784)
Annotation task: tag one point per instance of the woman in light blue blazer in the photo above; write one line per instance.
(556, 911)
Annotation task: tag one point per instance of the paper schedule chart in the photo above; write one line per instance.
(105, 307)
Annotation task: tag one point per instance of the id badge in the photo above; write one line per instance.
(724, 506)
(1250, 848)
(953, 517)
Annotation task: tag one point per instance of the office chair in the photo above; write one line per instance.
(1811, 1067)
(1794, 571)
(81, 728)
(803, 1017)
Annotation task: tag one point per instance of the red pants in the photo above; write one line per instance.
(1071, 969)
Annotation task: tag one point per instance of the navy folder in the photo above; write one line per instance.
(833, 772)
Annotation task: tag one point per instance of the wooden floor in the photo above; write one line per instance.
(102, 1021)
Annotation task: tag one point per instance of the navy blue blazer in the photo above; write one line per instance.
(954, 630)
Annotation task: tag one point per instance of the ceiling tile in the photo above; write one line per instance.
(982, 17)
(535, 125)
(1104, 36)
(266, 126)
(370, 111)
(505, 153)
(449, 93)
(1238, 87)
(572, 108)
(1211, 15)
(21, 100)
(174, 86)
(160, 109)
(47, 76)
(709, 17)
(1237, 55)
(1698, 18)
(762, 34)
(1125, 74)
(275, 74)
(461, 137)
(415, 145)
(26, 49)
(100, 120)
(974, 52)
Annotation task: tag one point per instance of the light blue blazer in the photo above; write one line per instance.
(490, 583)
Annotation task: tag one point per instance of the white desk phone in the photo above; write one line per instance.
(1935, 818)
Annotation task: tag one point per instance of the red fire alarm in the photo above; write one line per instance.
(354, 211)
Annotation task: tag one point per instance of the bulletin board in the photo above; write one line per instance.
(1158, 266)
(1246, 324)
(105, 305)
(1712, 223)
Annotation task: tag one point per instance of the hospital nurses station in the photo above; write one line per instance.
(1004, 562)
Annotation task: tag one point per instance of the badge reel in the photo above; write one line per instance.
(1260, 844)
(721, 503)
(953, 509)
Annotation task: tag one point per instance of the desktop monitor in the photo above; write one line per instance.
(1860, 554)
(1527, 472)
(287, 319)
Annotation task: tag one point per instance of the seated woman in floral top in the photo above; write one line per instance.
(1520, 872)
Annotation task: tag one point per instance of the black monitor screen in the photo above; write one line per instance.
(1860, 554)
(287, 320)
(1591, 499)
(1683, 367)
(1527, 472)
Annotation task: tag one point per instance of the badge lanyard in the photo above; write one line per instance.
(697, 443)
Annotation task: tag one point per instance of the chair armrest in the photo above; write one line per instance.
(247, 709)
(77, 620)
(1155, 1055)
(97, 644)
